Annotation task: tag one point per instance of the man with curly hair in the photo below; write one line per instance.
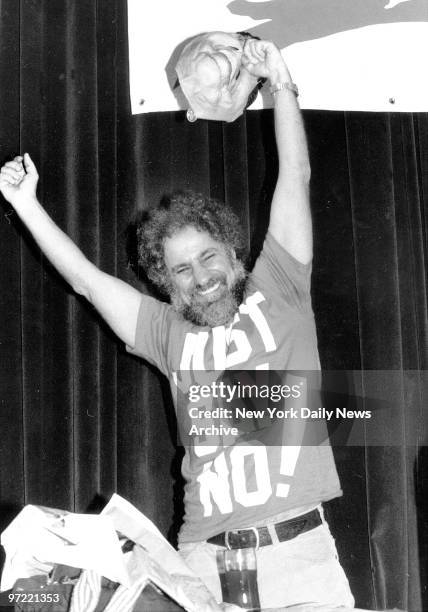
(212, 301)
(263, 494)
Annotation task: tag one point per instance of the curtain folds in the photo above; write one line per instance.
(79, 417)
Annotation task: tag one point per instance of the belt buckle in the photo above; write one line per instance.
(253, 529)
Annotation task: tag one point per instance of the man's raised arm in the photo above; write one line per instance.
(116, 301)
(290, 218)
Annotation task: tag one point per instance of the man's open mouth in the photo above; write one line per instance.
(209, 289)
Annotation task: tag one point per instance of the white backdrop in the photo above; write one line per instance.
(344, 55)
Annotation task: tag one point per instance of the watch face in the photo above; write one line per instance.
(212, 77)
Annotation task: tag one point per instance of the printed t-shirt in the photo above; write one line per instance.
(257, 475)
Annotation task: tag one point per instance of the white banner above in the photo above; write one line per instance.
(365, 55)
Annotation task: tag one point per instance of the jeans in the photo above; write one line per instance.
(304, 570)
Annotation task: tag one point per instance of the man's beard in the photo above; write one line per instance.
(218, 312)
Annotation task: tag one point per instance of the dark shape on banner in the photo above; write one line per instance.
(294, 21)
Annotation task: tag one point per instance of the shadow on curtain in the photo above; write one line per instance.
(79, 417)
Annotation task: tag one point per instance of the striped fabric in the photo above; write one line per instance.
(88, 588)
(86, 592)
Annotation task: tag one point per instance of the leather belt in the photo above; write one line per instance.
(260, 536)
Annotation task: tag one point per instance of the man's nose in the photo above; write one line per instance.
(201, 275)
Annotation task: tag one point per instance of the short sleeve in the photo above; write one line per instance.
(279, 273)
(151, 332)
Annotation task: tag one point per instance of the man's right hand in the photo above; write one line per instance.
(18, 180)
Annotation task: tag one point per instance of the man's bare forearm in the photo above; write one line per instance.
(290, 220)
(59, 249)
(290, 132)
(116, 301)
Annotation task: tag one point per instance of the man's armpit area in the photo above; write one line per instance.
(150, 332)
(281, 274)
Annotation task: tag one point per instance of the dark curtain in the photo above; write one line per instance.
(79, 417)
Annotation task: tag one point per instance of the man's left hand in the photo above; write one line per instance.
(263, 59)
